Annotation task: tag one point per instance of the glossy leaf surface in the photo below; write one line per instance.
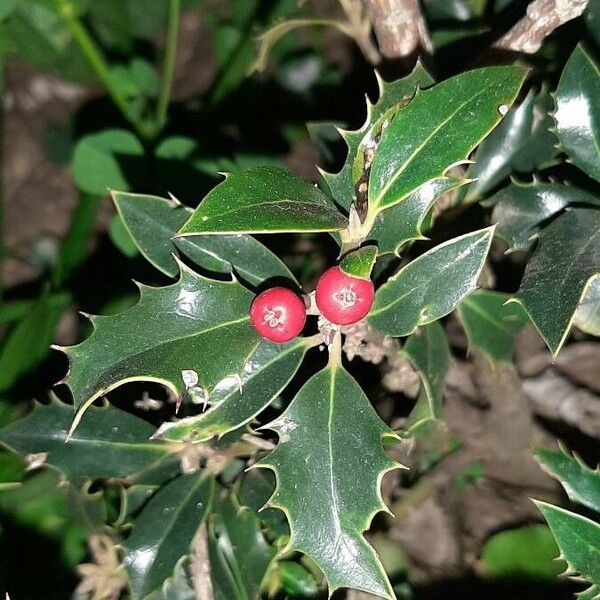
(430, 286)
(329, 462)
(196, 329)
(359, 263)
(153, 222)
(520, 211)
(581, 483)
(521, 143)
(428, 351)
(490, 324)
(438, 129)
(578, 112)
(264, 200)
(578, 539)
(587, 315)
(237, 400)
(568, 247)
(111, 443)
(406, 222)
(164, 530)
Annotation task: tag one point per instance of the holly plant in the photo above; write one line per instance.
(229, 335)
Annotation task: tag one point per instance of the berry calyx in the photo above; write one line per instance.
(343, 299)
(278, 314)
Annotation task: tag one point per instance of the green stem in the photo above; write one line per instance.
(97, 61)
(2, 224)
(166, 82)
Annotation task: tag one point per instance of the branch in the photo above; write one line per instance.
(200, 567)
(400, 27)
(360, 29)
(541, 19)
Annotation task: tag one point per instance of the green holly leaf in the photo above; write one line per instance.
(237, 399)
(427, 350)
(587, 315)
(577, 112)
(110, 444)
(237, 546)
(579, 541)
(153, 222)
(329, 463)
(491, 325)
(556, 277)
(164, 530)
(264, 200)
(187, 336)
(106, 160)
(359, 263)
(520, 211)
(581, 483)
(430, 286)
(408, 221)
(392, 97)
(521, 143)
(437, 130)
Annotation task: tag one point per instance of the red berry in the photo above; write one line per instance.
(343, 299)
(278, 314)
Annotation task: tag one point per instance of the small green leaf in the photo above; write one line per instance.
(521, 143)
(238, 543)
(587, 315)
(430, 286)
(427, 349)
(153, 222)
(520, 211)
(490, 324)
(236, 400)
(526, 553)
(406, 222)
(28, 343)
(188, 336)
(164, 530)
(111, 443)
(359, 263)
(581, 483)
(329, 462)
(567, 256)
(577, 112)
(264, 200)
(438, 129)
(578, 539)
(105, 160)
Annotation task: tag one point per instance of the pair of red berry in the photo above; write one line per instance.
(278, 314)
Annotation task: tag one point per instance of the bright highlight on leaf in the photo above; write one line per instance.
(432, 285)
(330, 446)
(173, 329)
(570, 245)
(264, 200)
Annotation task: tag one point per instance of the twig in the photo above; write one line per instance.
(94, 56)
(168, 63)
(400, 27)
(200, 567)
(541, 19)
(360, 29)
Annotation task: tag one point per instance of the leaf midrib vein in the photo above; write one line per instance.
(418, 149)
